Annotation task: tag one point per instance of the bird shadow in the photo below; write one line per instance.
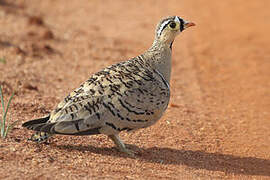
(195, 159)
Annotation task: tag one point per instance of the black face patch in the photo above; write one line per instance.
(181, 24)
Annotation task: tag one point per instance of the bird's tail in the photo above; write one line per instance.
(46, 129)
(33, 124)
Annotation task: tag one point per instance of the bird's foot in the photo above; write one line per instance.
(121, 146)
(40, 137)
(127, 151)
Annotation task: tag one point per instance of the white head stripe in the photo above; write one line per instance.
(162, 27)
(176, 19)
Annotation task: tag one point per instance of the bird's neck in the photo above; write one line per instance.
(160, 56)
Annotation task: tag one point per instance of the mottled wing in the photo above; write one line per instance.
(140, 104)
(124, 96)
(71, 118)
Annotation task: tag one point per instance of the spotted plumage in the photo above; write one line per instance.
(126, 96)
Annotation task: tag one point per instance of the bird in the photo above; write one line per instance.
(125, 96)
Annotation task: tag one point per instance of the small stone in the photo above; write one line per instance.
(35, 20)
(48, 34)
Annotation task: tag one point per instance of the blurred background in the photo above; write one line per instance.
(217, 124)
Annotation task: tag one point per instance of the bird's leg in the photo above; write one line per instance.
(120, 145)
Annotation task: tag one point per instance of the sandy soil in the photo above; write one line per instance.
(217, 124)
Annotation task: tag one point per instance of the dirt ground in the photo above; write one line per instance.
(217, 125)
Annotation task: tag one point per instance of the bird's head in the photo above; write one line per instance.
(168, 28)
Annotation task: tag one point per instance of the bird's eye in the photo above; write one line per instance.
(172, 25)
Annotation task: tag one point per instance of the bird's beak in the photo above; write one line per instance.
(188, 24)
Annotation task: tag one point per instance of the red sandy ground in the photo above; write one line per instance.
(217, 124)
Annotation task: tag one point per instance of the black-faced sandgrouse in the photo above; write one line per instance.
(126, 96)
